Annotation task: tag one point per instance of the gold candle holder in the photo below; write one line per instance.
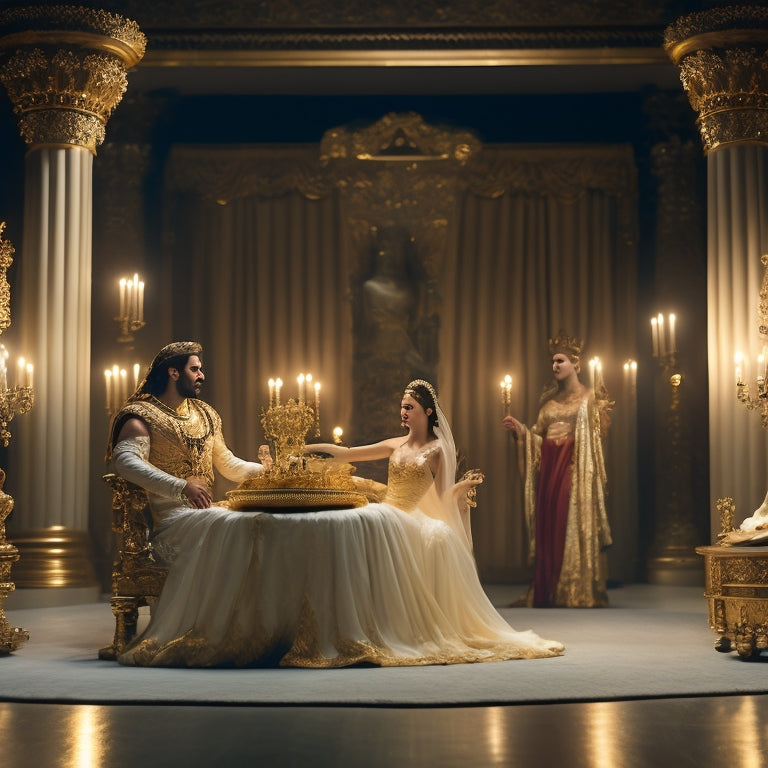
(286, 426)
(13, 400)
(131, 315)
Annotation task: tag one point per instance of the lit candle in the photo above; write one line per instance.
(135, 306)
(672, 340)
(662, 338)
(301, 387)
(123, 386)
(655, 336)
(128, 300)
(136, 369)
(30, 374)
(337, 433)
(317, 408)
(122, 297)
(141, 302)
(271, 385)
(737, 358)
(592, 364)
(278, 387)
(115, 387)
(21, 373)
(108, 386)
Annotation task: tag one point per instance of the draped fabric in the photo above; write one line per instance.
(263, 282)
(737, 238)
(266, 294)
(523, 267)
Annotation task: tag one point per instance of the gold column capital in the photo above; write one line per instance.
(64, 68)
(722, 54)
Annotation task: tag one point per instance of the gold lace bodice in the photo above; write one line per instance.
(410, 477)
(557, 420)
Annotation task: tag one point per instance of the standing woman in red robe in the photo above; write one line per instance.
(565, 485)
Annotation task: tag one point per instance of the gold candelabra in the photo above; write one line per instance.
(131, 315)
(286, 426)
(757, 398)
(13, 400)
(753, 399)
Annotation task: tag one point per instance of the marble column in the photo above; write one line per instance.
(64, 68)
(722, 56)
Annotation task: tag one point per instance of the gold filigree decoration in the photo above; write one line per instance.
(65, 72)
(27, 22)
(6, 259)
(398, 138)
(722, 55)
(727, 510)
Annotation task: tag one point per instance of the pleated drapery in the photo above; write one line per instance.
(737, 238)
(524, 267)
(263, 280)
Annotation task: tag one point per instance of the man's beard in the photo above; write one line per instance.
(185, 389)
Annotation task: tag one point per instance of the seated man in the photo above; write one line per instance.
(168, 441)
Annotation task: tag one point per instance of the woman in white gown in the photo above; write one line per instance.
(391, 583)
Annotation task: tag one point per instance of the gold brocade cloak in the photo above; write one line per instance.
(582, 576)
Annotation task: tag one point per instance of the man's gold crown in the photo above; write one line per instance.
(569, 345)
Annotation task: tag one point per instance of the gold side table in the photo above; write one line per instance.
(737, 594)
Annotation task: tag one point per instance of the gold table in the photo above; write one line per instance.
(737, 594)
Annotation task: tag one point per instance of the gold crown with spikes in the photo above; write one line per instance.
(570, 345)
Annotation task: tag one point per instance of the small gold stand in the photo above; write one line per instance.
(736, 589)
(11, 638)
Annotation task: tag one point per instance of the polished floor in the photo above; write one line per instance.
(703, 732)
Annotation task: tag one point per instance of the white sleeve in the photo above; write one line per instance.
(229, 465)
(130, 460)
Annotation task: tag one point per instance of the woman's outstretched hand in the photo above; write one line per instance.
(467, 486)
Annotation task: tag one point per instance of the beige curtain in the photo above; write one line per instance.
(261, 277)
(266, 292)
(524, 265)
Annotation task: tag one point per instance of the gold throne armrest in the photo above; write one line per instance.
(137, 579)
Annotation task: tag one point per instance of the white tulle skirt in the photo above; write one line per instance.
(322, 589)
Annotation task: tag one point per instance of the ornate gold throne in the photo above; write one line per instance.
(137, 579)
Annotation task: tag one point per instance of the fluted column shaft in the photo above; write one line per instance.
(737, 180)
(55, 321)
(723, 59)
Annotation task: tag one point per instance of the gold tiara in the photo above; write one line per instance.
(569, 345)
(409, 390)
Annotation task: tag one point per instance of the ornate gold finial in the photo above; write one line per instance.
(727, 510)
(64, 68)
(569, 345)
(723, 67)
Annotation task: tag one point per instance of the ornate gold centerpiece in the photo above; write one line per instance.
(295, 481)
(16, 399)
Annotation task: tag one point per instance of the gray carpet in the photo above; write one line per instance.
(652, 642)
